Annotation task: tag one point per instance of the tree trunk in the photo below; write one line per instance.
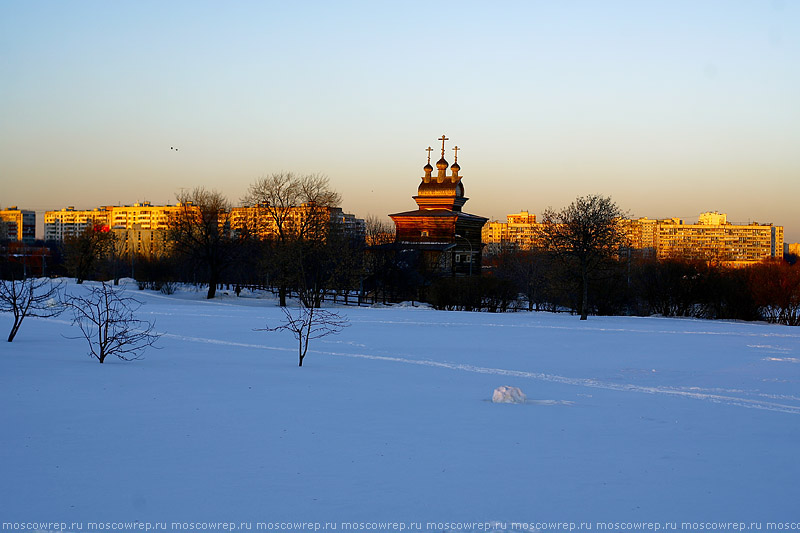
(282, 296)
(584, 299)
(14, 330)
(213, 278)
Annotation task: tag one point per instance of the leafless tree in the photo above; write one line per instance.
(378, 231)
(36, 297)
(83, 252)
(293, 210)
(200, 232)
(107, 321)
(278, 193)
(586, 232)
(309, 323)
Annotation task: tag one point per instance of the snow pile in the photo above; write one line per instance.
(506, 394)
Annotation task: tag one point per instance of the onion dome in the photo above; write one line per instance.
(441, 164)
(455, 167)
(427, 168)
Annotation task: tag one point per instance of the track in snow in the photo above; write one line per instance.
(695, 393)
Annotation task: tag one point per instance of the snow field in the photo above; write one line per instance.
(627, 418)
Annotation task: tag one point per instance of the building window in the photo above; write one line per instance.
(424, 233)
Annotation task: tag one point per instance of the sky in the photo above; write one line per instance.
(671, 108)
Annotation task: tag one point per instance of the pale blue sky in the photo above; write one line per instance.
(672, 108)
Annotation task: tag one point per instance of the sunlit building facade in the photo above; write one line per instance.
(716, 241)
(305, 218)
(18, 224)
(712, 239)
(70, 221)
(140, 229)
(518, 232)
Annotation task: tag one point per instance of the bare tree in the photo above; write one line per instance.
(292, 210)
(83, 252)
(29, 297)
(107, 321)
(586, 232)
(309, 323)
(200, 232)
(279, 194)
(378, 231)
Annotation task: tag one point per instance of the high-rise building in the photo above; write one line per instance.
(712, 239)
(518, 232)
(140, 229)
(70, 221)
(142, 215)
(307, 219)
(18, 224)
(715, 240)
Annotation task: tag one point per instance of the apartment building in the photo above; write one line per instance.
(140, 228)
(143, 215)
(715, 240)
(18, 225)
(518, 232)
(70, 221)
(295, 220)
(711, 239)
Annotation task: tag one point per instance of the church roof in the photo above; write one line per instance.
(442, 213)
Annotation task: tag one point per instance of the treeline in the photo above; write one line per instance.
(538, 280)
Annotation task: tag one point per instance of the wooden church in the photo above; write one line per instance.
(439, 228)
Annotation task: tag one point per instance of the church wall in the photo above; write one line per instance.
(438, 229)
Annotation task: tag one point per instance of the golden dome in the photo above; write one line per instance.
(441, 164)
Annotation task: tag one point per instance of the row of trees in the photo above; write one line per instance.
(629, 286)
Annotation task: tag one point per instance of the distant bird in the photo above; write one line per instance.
(173, 148)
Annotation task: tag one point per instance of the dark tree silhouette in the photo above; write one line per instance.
(107, 321)
(309, 323)
(29, 297)
(585, 234)
(292, 210)
(200, 231)
(83, 252)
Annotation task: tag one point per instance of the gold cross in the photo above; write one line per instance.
(443, 139)
(456, 149)
(429, 150)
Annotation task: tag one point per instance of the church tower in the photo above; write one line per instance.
(439, 226)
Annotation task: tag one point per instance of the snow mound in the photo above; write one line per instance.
(506, 394)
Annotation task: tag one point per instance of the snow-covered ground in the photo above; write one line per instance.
(627, 419)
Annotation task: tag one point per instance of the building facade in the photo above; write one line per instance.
(712, 239)
(303, 220)
(139, 229)
(69, 221)
(716, 241)
(18, 225)
(518, 232)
